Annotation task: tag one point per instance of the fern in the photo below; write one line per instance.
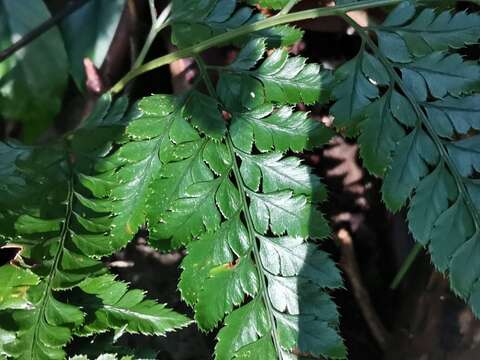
(196, 21)
(200, 182)
(279, 78)
(63, 236)
(420, 133)
(272, 263)
(214, 170)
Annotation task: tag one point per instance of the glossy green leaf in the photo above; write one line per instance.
(380, 134)
(409, 165)
(432, 198)
(249, 56)
(125, 309)
(354, 91)
(465, 154)
(205, 115)
(454, 115)
(270, 128)
(284, 79)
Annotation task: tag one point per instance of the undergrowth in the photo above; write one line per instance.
(215, 171)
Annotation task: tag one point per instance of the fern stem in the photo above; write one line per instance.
(286, 9)
(256, 253)
(247, 29)
(58, 256)
(153, 10)
(202, 67)
(248, 218)
(420, 114)
(407, 264)
(158, 24)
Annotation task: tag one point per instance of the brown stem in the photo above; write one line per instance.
(349, 265)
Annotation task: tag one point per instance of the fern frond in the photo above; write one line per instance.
(279, 128)
(280, 78)
(421, 133)
(421, 34)
(171, 160)
(194, 22)
(124, 309)
(243, 265)
(245, 217)
(258, 268)
(161, 161)
(63, 236)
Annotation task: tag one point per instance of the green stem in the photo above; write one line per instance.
(286, 9)
(256, 253)
(202, 67)
(407, 264)
(247, 29)
(153, 10)
(64, 233)
(158, 24)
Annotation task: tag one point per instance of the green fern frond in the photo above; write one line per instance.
(421, 133)
(216, 172)
(158, 164)
(263, 273)
(62, 237)
(421, 34)
(245, 217)
(171, 160)
(124, 309)
(193, 22)
(280, 78)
